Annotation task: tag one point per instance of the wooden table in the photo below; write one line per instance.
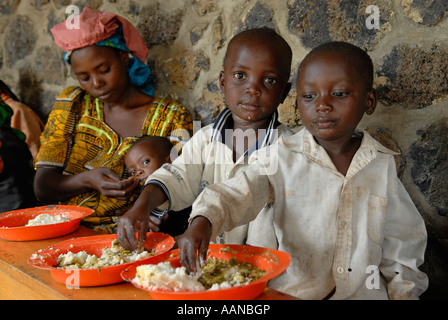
(21, 281)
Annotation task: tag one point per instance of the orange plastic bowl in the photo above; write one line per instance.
(46, 259)
(274, 262)
(12, 223)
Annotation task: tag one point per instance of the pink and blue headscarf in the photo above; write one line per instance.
(106, 29)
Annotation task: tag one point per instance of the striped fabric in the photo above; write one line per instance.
(225, 122)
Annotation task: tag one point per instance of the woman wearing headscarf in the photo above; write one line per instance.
(91, 127)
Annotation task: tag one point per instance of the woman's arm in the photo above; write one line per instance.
(51, 185)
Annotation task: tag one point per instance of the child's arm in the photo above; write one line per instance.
(178, 183)
(181, 179)
(404, 244)
(136, 220)
(222, 207)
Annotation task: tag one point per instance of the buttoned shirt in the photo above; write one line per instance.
(207, 158)
(359, 234)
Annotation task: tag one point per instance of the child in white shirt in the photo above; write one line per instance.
(254, 82)
(340, 210)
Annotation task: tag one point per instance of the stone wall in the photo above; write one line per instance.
(187, 40)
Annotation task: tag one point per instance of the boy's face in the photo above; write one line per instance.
(331, 97)
(254, 80)
(143, 159)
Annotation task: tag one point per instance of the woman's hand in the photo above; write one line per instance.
(194, 242)
(109, 183)
(50, 184)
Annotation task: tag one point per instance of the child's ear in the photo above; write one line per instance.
(221, 80)
(168, 159)
(124, 56)
(371, 102)
(285, 93)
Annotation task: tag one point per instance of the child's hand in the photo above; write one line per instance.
(196, 238)
(134, 222)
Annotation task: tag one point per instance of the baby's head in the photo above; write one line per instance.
(147, 155)
(334, 90)
(257, 68)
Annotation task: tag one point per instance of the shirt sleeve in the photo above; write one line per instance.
(181, 179)
(234, 202)
(404, 243)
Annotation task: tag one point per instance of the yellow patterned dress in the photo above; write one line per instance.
(77, 139)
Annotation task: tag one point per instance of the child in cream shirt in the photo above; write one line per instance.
(340, 210)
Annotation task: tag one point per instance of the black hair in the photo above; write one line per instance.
(265, 34)
(355, 55)
(163, 143)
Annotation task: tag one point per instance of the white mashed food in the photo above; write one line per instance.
(217, 274)
(111, 256)
(164, 276)
(46, 218)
